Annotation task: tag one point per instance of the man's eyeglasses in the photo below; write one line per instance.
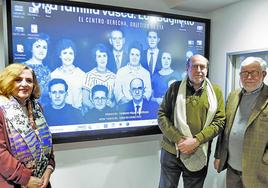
(137, 89)
(201, 67)
(253, 74)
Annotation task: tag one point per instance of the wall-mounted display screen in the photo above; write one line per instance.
(103, 70)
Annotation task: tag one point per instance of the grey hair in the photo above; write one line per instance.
(251, 60)
(202, 58)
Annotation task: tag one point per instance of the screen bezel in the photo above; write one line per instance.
(107, 133)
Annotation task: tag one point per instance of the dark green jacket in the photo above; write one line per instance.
(196, 109)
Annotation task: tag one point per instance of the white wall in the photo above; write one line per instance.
(121, 163)
(240, 27)
(134, 162)
(153, 5)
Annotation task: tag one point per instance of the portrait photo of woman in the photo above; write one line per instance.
(38, 48)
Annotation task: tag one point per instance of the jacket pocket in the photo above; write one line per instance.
(264, 115)
(264, 118)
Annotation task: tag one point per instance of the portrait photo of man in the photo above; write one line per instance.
(58, 112)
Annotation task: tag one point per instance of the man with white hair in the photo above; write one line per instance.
(243, 147)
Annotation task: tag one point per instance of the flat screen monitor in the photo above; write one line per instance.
(103, 70)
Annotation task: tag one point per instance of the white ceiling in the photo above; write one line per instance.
(195, 6)
(200, 6)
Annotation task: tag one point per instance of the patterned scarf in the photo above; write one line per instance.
(28, 145)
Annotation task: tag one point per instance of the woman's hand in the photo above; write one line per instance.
(46, 177)
(34, 182)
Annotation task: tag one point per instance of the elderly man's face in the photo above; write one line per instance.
(197, 70)
(137, 90)
(251, 76)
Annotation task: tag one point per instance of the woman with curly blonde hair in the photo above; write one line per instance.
(27, 158)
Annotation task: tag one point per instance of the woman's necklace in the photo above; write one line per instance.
(68, 69)
(166, 71)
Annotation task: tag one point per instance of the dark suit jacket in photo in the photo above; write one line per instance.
(112, 62)
(145, 63)
(68, 115)
(97, 116)
(148, 111)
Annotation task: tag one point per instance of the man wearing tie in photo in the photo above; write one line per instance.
(139, 106)
(151, 56)
(117, 57)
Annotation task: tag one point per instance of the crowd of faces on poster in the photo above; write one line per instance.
(101, 69)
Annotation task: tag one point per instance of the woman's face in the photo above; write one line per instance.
(67, 56)
(166, 60)
(39, 50)
(101, 59)
(23, 86)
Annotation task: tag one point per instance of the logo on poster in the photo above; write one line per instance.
(18, 8)
(34, 28)
(20, 48)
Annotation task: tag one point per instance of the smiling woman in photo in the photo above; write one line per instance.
(100, 75)
(38, 46)
(73, 75)
(161, 78)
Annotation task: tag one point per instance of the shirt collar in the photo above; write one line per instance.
(135, 104)
(244, 92)
(155, 50)
(118, 52)
(199, 89)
